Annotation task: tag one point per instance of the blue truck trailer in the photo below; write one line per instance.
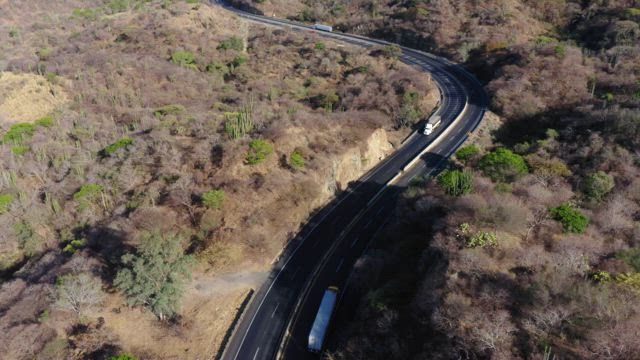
(318, 332)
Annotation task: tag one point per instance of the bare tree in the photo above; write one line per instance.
(78, 292)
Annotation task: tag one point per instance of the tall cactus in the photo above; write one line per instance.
(237, 124)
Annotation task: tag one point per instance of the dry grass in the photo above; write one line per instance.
(205, 319)
(119, 71)
(28, 97)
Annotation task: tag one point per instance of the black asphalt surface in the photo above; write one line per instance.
(324, 252)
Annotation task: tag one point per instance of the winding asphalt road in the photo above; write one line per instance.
(277, 321)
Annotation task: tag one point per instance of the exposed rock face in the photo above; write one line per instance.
(483, 136)
(357, 161)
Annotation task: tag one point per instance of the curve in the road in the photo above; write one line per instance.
(326, 248)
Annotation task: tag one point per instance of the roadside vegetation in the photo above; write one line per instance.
(176, 143)
(532, 251)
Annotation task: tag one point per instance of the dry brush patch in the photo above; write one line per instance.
(153, 90)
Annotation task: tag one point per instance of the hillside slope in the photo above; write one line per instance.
(181, 133)
(528, 247)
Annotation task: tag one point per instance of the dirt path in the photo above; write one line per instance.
(228, 282)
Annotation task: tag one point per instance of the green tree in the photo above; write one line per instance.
(502, 165)
(456, 182)
(409, 110)
(598, 185)
(213, 199)
(572, 220)
(155, 276)
(258, 151)
(467, 153)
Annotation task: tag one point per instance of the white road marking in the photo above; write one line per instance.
(274, 310)
(445, 91)
(256, 354)
(354, 241)
(339, 265)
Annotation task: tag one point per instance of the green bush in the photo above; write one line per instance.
(482, 239)
(74, 245)
(185, 59)
(44, 53)
(467, 153)
(5, 202)
(296, 160)
(598, 185)
(456, 182)
(238, 60)
(232, 43)
(171, 109)
(543, 40)
(20, 150)
(88, 14)
(89, 194)
(392, 51)
(213, 199)
(46, 121)
(560, 50)
(18, 133)
(633, 12)
(502, 165)
(319, 46)
(258, 151)
(573, 221)
(216, 67)
(330, 101)
(120, 144)
(123, 357)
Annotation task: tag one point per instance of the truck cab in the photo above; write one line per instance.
(431, 124)
(323, 27)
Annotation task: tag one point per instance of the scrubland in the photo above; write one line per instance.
(148, 147)
(528, 245)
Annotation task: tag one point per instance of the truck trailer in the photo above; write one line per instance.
(322, 27)
(320, 326)
(432, 123)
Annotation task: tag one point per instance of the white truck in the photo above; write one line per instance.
(432, 123)
(322, 27)
(318, 332)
